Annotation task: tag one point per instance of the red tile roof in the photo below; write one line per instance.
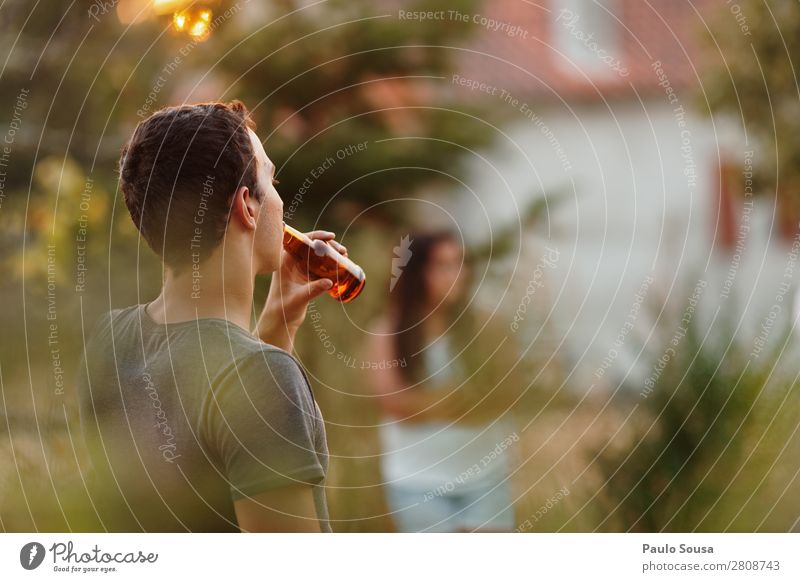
(668, 31)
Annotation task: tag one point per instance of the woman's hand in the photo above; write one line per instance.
(289, 294)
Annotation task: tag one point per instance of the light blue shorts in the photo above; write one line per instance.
(486, 507)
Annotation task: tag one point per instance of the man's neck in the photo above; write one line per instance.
(211, 289)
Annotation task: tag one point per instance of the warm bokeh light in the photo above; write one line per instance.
(191, 17)
(196, 23)
(199, 29)
(179, 21)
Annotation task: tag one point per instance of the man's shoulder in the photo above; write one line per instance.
(266, 361)
(107, 321)
(233, 354)
(269, 380)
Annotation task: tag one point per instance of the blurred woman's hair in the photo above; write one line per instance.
(410, 303)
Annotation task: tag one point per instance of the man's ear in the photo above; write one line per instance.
(244, 209)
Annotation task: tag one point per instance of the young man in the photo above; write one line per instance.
(193, 422)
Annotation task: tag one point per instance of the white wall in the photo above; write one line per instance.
(630, 211)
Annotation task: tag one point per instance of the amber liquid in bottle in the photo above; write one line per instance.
(348, 278)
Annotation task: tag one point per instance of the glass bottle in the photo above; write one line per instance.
(348, 278)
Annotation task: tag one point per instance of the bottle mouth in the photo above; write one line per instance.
(291, 231)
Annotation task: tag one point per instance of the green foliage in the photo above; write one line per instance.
(704, 446)
(755, 79)
(346, 74)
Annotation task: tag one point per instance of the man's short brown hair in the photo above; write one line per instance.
(178, 175)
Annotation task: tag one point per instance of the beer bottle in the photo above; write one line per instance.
(323, 261)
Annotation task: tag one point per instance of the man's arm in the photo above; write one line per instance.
(264, 427)
(287, 509)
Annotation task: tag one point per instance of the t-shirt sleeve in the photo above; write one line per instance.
(262, 422)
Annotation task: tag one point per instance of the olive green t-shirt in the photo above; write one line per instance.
(182, 419)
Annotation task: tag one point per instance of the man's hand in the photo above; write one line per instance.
(289, 294)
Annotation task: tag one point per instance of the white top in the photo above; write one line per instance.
(442, 457)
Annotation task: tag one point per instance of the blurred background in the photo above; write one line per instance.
(623, 176)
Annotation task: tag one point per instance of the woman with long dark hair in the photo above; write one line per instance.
(443, 468)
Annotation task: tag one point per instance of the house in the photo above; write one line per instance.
(650, 203)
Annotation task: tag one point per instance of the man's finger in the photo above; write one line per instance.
(327, 237)
(320, 248)
(321, 234)
(339, 247)
(318, 287)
